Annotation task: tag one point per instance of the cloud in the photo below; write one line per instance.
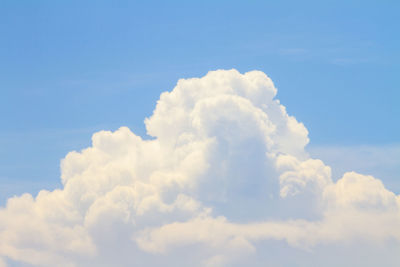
(350, 61)
(225, 172)
(293, 51)
(380, 161)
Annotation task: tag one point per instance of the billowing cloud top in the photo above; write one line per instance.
(224, 176)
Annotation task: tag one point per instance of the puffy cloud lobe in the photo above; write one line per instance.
(361, 192)
(226, 169)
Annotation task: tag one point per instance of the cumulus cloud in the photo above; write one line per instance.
(225, 172)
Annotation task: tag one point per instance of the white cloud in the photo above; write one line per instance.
(226, 171)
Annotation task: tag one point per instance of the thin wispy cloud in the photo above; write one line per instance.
(350, 61)
(292, 51)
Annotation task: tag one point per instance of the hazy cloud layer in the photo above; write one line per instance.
(225, 178)
(381, 161)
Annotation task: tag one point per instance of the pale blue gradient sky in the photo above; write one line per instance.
(70, 68)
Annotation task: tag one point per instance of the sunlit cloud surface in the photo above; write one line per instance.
(224, 179)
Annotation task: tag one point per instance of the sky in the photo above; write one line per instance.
(71, 69)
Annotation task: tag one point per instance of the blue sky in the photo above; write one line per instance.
(68, 69)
